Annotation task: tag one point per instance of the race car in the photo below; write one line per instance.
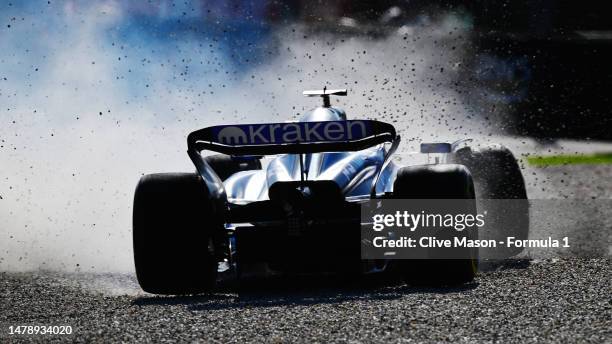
(285, 197)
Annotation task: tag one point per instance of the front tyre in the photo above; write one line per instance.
(173, 227)
(497, 175)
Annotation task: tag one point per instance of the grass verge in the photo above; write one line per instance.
(566, 159)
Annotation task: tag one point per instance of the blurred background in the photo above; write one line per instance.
(94, 94)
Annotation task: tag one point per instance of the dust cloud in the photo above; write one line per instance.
(92, 98)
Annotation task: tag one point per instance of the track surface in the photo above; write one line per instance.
(551, 301)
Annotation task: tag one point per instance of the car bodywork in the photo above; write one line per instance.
(301, 211)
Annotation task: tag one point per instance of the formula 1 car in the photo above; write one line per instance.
(235, 213)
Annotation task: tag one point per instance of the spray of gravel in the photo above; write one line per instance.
(89, 104)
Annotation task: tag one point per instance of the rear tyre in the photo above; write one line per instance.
(174, 225)
(497, 175)
(443, 181)
(224, 166)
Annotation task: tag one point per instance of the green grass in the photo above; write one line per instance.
(563, 159)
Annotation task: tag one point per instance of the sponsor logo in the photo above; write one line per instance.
(232, 135)
(302, 132)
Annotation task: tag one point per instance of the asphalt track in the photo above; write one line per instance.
(564, 299)
(561, 301)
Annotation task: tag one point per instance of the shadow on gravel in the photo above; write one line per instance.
(497, 265)
(296, 291)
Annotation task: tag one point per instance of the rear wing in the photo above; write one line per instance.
(291, 138)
